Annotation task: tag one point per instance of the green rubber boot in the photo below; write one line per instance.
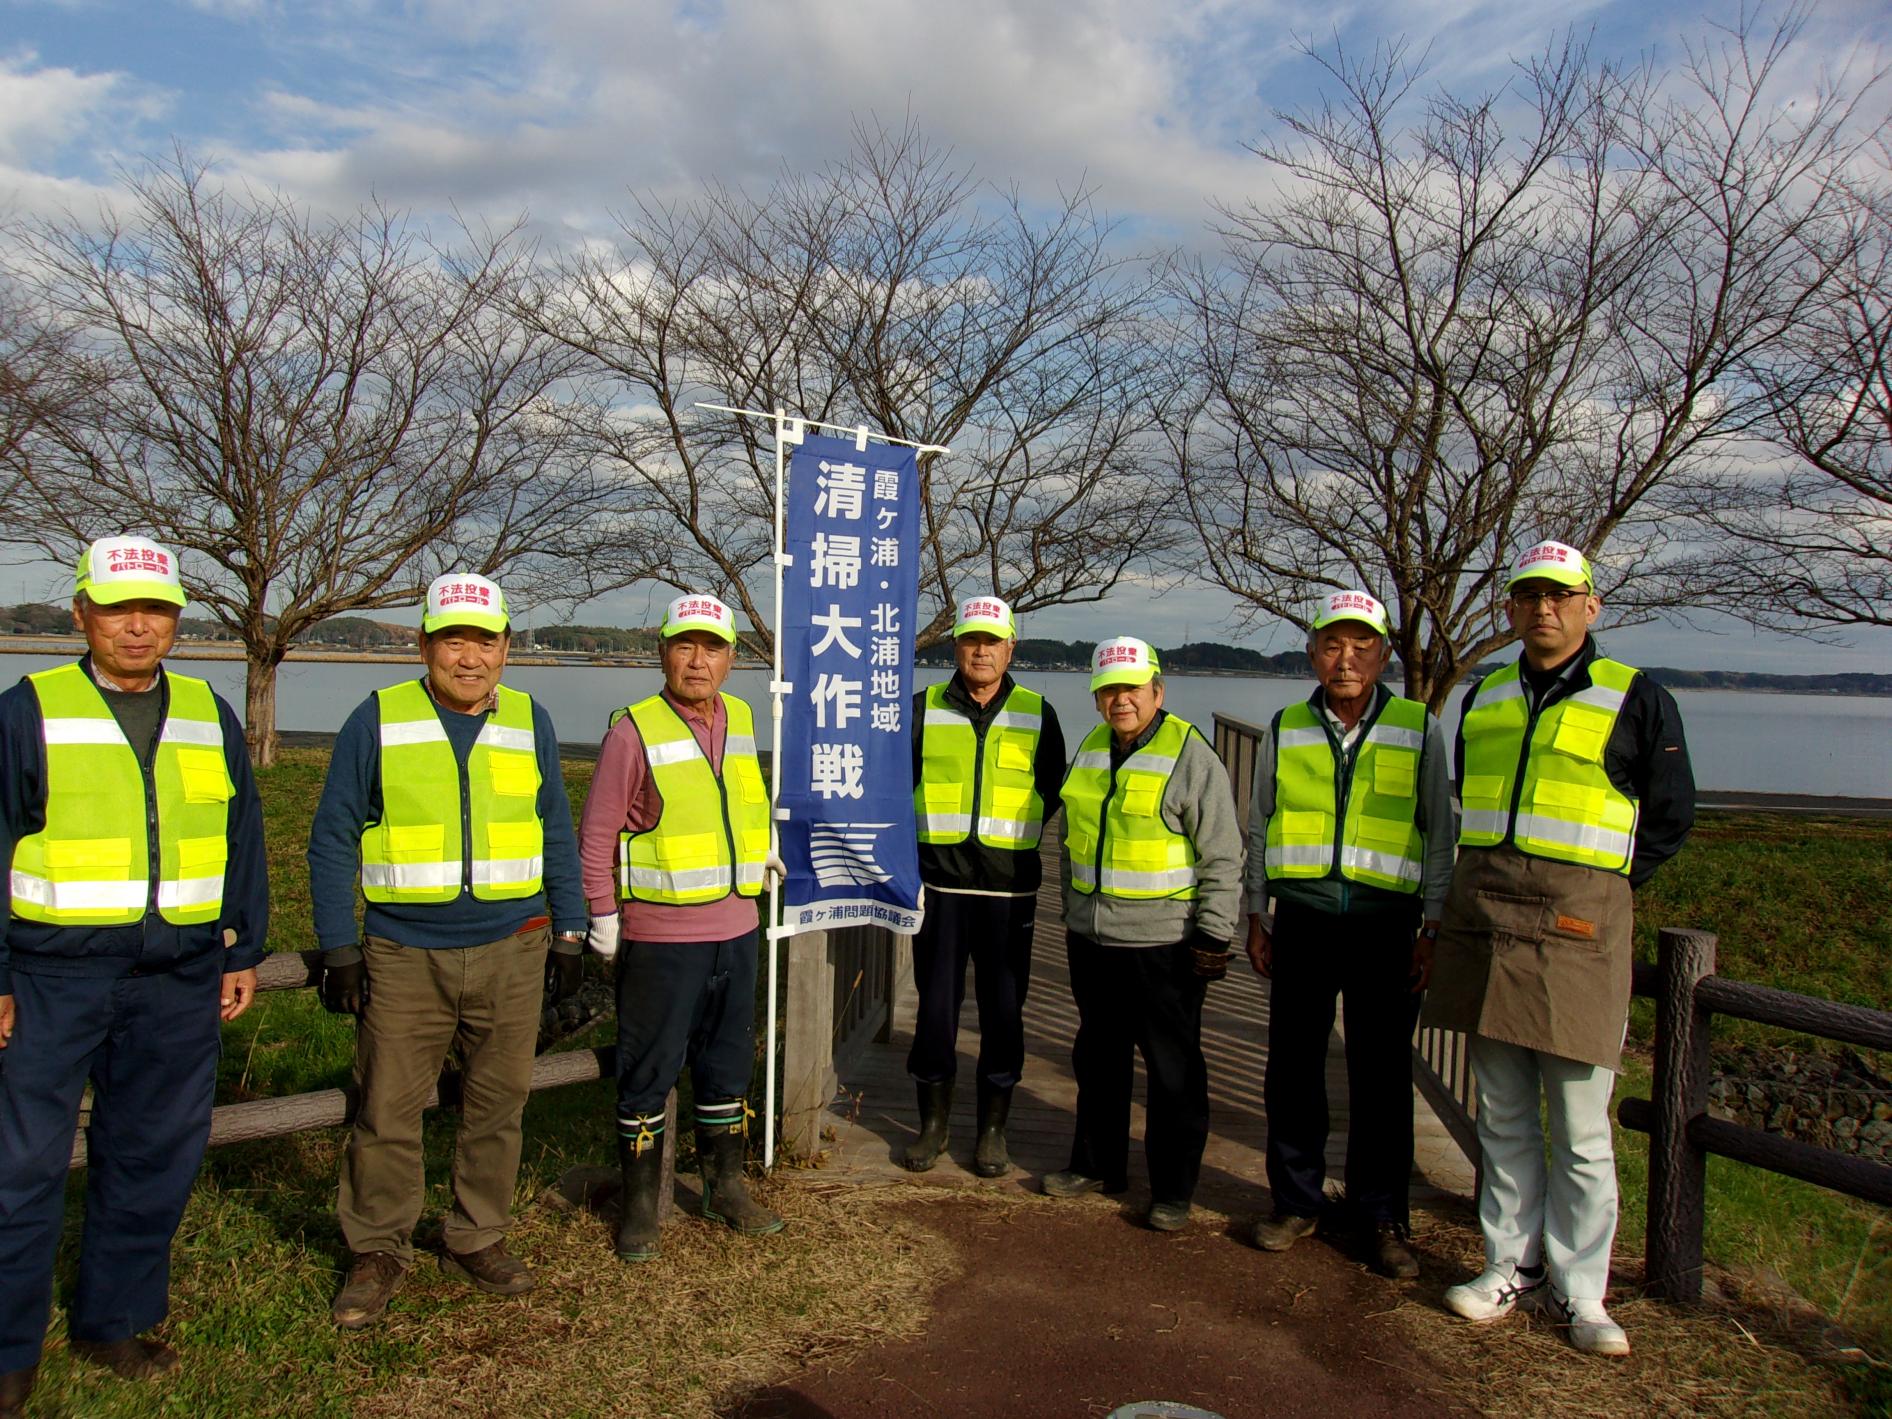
(721, 1144)
(936, 1107)
(641, 1159)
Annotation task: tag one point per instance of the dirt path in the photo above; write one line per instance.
(1075, 1309)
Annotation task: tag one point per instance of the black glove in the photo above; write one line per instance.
(564, 973)
(1208, 956)
(344, 989)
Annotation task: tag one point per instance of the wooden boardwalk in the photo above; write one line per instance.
(874, 1114)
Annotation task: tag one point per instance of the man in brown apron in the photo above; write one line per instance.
(1575, 786)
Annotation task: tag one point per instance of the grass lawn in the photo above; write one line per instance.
(1803, 903)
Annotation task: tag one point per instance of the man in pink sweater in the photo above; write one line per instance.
(674, 844)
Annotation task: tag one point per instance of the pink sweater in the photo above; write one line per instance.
(624, 798)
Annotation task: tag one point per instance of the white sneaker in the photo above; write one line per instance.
(1591, 1329)
(1497, 1293)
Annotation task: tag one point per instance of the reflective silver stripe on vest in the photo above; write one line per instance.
(674, 751)
(78, 896)
(1091, 759)
(1174, 880)
(192, 731)
(738, 744)
(402, 732)
(749, 874)
(1602, 696)
(1485, 821)
(1301, 738)
(1006, 827)
(1396, 736)
(190, 892)
(1587, 837)
(697, 879)
(500, 736)
(1017, 719)
(939, 714)
(84, 731)
(506, 871)
(1383, 863)
(946, 822)
(1300, 855)
(1151, 763)
(410, 876)
(1083, 872)
(1510, 690)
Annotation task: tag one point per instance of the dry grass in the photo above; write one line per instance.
(1751, 1349)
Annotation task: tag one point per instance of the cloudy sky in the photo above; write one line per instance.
(559, 108)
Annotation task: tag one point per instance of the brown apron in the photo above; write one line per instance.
(1535, 953)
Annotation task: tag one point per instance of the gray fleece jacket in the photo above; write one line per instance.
(1198, 804)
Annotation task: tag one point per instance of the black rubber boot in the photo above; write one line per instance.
(989, 1158)
(936, 1107)
(720, 1152)
(643, 1183)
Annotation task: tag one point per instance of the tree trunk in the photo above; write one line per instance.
(259, 704)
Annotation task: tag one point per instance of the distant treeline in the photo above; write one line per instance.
(1039, 654)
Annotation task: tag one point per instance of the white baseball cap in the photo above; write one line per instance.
(1553, 561)
(696, 612)
(986, 614)
(1123, 661)
(1353, 606)
(115, 569)
(465, 599)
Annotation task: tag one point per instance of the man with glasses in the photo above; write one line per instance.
(1575, 786)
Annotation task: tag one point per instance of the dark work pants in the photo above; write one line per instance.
(149, 1045)
(1145, 998)
(994, 934)
(685, 1002)
(1367, 959)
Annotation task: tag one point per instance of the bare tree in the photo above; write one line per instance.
(1463, 324)
(1805, 542)
(322, 413)
(891, 290)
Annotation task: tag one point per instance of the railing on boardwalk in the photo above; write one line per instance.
(1688, 994)
(1441, 1067)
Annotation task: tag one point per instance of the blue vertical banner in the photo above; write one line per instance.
(849, 599)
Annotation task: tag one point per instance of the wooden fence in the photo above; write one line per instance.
(1688, 994)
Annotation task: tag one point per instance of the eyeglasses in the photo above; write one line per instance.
(1528, 599)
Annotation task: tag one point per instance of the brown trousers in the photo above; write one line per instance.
(420, 1004)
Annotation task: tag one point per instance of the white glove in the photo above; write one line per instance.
(774, 871)
(603, 936)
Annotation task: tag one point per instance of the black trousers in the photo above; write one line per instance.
(684, 1002)
(1367, 959)
(1146, 998)
(994, 934)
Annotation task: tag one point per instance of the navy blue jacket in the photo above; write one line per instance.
(351, 801)
(35, 948)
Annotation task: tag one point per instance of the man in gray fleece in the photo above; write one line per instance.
(1152, 872)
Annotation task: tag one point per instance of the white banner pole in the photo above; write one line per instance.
(784, 435)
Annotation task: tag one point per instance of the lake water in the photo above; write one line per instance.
(1739, 740)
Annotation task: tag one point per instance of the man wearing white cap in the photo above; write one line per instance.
(988, 756)
(675, 842)
(1351, 830)
(1152, 876)
(137, 914)
(1575, 786)
(445, 798)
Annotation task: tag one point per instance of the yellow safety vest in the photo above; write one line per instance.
(1113, 822)
(67, 874)
(1377, 840)
(954, 774)
(1537, 781)
(707, 842)
(417, 852)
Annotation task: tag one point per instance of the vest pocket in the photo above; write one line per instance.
(1482, 791)
(415, 842)
(1299, 827)
(1582, 732)
(205, 775)
(1142, 795)
(942, 798)
(509, 841)
(1570, 800)
(681, 851)
(513, 774)
(92, 853)
(1013, 757)
(195, 856)
(1395, 773)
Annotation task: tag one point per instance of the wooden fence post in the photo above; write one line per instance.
(1677, 1167)
(808, 1078)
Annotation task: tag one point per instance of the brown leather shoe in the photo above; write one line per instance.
(373, 1278)
(1385, 1245)
(15, 1385)
(493, 1269)
(133, 1358)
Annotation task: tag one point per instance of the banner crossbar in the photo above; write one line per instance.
(860, 432)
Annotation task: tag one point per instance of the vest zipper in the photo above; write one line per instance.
(978, 773)
(466, 815)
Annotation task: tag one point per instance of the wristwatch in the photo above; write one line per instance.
(1429, 933)
(571, 937)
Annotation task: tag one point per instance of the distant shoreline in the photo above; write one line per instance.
(581, 660)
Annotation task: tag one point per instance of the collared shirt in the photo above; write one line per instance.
(624, 798)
